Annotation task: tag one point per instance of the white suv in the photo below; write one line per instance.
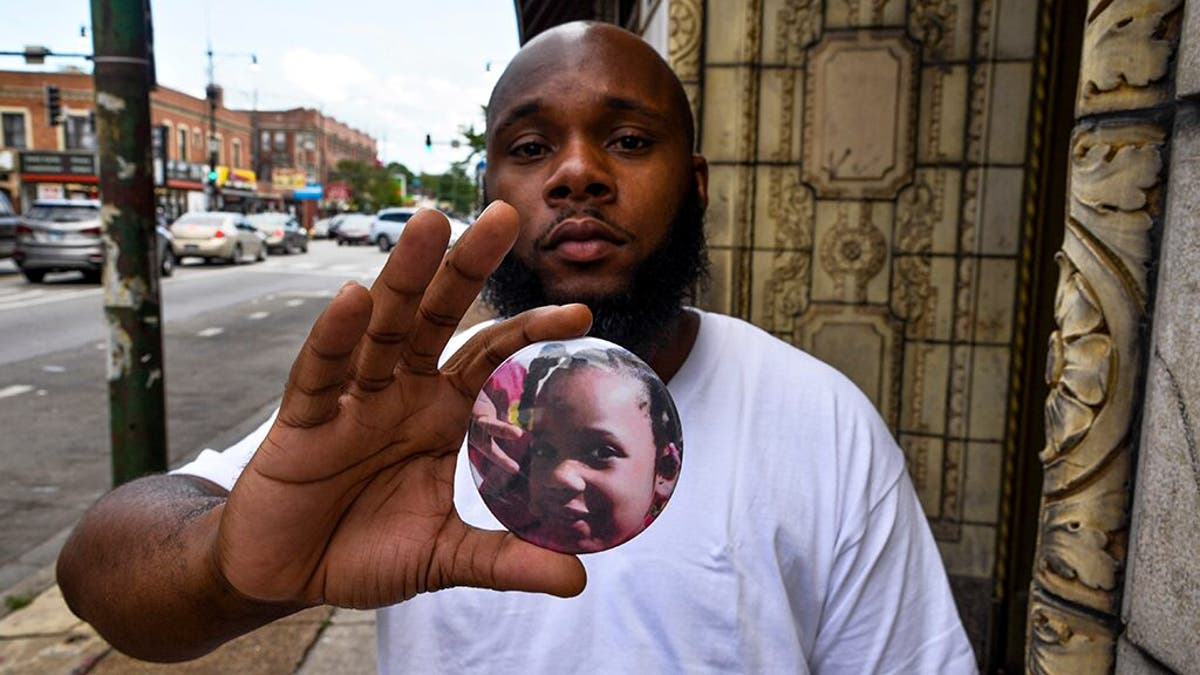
(387, 226)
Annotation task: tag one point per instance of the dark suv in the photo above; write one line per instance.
(8, 226)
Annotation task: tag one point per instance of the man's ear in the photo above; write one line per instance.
(666, 471)
(700, 170)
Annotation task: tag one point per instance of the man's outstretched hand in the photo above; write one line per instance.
(349, 500)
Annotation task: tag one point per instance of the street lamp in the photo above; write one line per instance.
(211, 92)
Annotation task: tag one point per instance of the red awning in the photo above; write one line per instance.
(59, 178)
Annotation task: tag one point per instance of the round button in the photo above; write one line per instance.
(575, 445)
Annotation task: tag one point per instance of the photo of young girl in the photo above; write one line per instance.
(575, 446)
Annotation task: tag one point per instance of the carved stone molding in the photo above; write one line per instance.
(1062, 640)
(860, 115)
(1093, 369)
(853, 253)
(790, 208)
(1127, 46)
(932, 22)
(684, 19)
(797, 25)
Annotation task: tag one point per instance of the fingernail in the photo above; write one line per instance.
(345, 286)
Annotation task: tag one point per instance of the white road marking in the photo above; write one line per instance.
(54, 369)
(258, 316)
(210, 332)
(15, 390)
(294, 303)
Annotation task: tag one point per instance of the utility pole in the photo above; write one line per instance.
(124, 75)
(210, 181)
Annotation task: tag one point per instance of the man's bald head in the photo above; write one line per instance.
(573, 45)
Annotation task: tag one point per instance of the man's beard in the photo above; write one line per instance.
(639, 317)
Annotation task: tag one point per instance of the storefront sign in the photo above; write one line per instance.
(308, 192)
(288, 179)
(337, 192)
(46, 191)
(237, 179)
(184, 171)
(58, 163)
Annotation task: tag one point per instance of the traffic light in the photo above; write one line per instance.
(53, 105)
(212, 175)
(428, 143)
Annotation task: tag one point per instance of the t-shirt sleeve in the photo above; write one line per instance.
(889, 608)
(223, 468)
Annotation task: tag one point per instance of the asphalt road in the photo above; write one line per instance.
(229, 339)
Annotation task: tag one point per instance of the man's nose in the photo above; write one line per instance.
(582, 174)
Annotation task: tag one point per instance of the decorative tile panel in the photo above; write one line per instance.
(860, 116)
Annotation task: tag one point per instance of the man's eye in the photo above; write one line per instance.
(630, 142)
(529, 150)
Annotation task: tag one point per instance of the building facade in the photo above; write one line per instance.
(301, 147)
(983, 212)
(265, 159)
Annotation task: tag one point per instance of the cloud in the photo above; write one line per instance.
(327, 77)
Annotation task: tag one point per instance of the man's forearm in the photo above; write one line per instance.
(141, 568)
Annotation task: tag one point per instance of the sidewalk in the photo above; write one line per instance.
(45, 637)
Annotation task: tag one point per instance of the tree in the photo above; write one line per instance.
(372, 187)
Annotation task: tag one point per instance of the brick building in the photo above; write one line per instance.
(302, 147)
(265, 159)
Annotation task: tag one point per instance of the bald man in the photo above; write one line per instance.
(794, 541)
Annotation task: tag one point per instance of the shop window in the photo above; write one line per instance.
(79, 132)
(197, 142)
(14, 129)
(183, 144)
(264, 141)
(280, 141)
(237, 153)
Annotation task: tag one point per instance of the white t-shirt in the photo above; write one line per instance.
(794, 542)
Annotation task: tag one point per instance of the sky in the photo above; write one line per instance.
(396, 70)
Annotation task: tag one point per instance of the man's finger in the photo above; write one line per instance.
(318, 375)
(471, 365)
(458, 282)
(397, 293)
(501, 561)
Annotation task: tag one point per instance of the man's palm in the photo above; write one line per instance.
(349, 500)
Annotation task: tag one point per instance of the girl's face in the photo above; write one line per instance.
(592, 466)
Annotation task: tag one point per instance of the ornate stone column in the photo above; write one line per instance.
(1097, 354)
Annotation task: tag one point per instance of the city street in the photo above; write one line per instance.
(231, 333)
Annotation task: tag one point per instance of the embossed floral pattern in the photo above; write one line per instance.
(1078, 363)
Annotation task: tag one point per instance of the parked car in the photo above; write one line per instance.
(163, 251)
(8, 226)
(325, 227)
(283, 232)
(387, 226)
(354, 228)
(64, 235)
(217, 235)
(58, 236)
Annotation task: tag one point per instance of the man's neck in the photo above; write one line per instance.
(668, 358)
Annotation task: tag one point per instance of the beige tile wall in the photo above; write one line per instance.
(911, 289)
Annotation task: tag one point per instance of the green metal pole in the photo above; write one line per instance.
(124, 74)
